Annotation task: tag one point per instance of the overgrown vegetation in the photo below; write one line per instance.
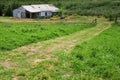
(107, 8)
(13, 35)
(96, 59)
(100, 56)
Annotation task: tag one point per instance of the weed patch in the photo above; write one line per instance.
(100, 56)
(14, 35)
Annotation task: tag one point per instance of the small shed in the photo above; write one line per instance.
(35, 11)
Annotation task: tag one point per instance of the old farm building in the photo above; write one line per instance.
(35, 11)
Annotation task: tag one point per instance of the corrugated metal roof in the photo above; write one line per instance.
(41, 7)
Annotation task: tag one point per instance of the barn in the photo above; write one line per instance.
(35, 11)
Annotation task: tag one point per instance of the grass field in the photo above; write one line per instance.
(100, 57)
(84, 51)
(17, 34)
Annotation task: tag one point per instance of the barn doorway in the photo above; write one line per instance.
(27, 14)
(35, 15)
(45, 14)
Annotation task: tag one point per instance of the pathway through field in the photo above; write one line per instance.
(43, 50)
(66, 43)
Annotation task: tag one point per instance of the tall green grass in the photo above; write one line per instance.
(13, 35)
(99, 57)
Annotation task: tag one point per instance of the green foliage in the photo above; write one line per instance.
(100, 56)
(96, 59)
(93, 60)
(107, 8)
(14, 35)
(6, 73)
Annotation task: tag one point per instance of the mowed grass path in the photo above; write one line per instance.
(43, 60)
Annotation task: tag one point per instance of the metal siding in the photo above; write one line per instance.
(42, 14)
(17, 12)
(44, 9)
(40, 8)
(23, 15)
(49, 14)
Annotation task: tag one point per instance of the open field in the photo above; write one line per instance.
(85, 45)
(99, 58)
(81, 51)
(23, 33)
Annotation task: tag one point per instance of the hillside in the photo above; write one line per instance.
(107, 8)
